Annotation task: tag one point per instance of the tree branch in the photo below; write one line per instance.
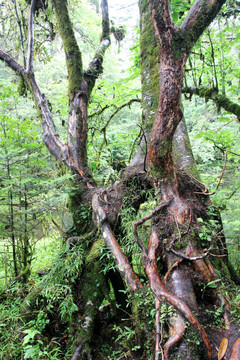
(30, 49)
(56, 147)
(20, 31)
(222, 101)
(77, 122)
(72, 52)
(95, 66)
(105, 21)
(198, 18)
(161, 14)
(13, 64)
(129, 103)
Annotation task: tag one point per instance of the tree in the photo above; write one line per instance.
(181, 266)
(24, 180)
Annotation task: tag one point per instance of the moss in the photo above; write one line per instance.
(93, 291)
(142, 304)
(178, 46)
(150, 60)
(95, 251)
(30, 303)
(220, 100)
(72, 52)
(22, 90)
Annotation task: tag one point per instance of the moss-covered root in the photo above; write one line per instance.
(140, 300)
(93, 291)
(30, 303)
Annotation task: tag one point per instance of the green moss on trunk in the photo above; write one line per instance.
(72, 52)
(150, 64)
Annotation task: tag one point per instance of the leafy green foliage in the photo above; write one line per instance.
(27, 198)
(27, 338)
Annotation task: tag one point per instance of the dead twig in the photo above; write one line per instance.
(171, 269)
(221, 176)
(143, 220)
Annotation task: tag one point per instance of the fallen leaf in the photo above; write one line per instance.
(223, 348)
(235, 350)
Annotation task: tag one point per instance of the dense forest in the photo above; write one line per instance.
(119, 179)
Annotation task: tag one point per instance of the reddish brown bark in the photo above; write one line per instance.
(160, 291)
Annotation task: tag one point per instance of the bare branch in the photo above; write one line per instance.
(13, 64)
(50, 137)
(20, 31)
(221, 176)
(143, 220)
(129, 103)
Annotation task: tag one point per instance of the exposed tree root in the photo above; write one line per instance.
(160, 291)
(77, 353)
(121, 260)
(177, 330)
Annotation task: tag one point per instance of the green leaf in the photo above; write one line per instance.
(212, 284)
(30, 335)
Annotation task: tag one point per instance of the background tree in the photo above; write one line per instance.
(176, 258)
